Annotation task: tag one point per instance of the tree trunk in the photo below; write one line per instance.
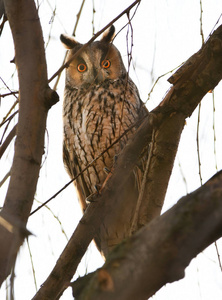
(35, 98)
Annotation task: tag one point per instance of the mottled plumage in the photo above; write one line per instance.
(100, 103)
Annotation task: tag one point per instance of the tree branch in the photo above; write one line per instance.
(158, 253)
(200, 74)
(35, 100)
(8, 140)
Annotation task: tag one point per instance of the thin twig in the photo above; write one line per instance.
(5, 178)
(9, 94)
(78, 18)
(199, 106)
(183, 176)
(201, 22)
(5, 130)
(74, 32)
(9, 118)
(57, 15)
(3, 23)
(155, 83)
(12, 282)
(198, 144)
(214, 131)
(218, 256)
(56, 217)
(8, 140)
(93, 17)
(32, 264)
(8, 88)
(51, 22)
(214, 27)
(129, 55)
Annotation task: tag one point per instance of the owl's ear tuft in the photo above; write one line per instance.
(108, 35)
(68, 41)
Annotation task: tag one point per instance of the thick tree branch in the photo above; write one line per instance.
(35, 99)
(167, 119)
(200, 74)
(159, 252)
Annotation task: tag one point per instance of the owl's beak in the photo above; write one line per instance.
(98, 76)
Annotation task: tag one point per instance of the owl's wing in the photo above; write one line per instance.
(73, 169)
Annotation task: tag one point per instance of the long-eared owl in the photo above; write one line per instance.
(100, 103)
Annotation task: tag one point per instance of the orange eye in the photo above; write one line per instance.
(81, 68)
(106, 64)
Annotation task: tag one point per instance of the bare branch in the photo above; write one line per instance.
(8, 94)
(8, 140)
(9, 118)
(4, 178)
(74, 31)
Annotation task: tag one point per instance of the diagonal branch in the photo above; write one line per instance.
(200, 74)
(7, 141)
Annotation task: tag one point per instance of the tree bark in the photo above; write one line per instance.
(35, 100)
(158, 253)
(199, 74)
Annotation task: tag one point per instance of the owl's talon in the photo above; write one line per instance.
(115, 158)
(106, 170)
(97, 187)
(91, 198)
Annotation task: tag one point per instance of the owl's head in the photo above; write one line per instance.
(98, 62)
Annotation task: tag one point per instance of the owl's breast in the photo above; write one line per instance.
(93, 121)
